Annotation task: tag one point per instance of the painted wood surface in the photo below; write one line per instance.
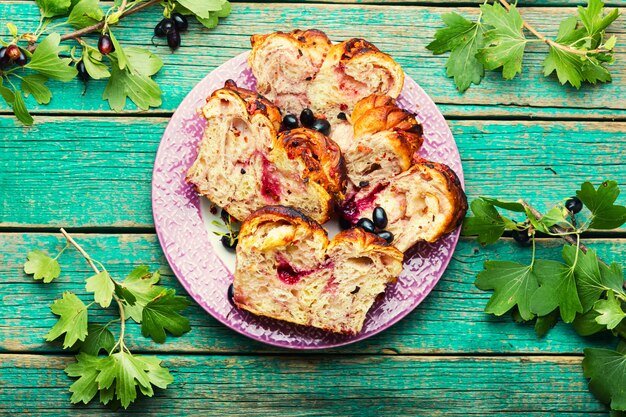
(84, 166)
(293, 385)
(96, 172)
(402, 31)
(450, 321)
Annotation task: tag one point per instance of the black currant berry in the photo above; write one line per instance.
(344, 224)
(159, 32)
(22, 59)
(388, 236)
(82, 71)
(105, 45)
(290, 121)
(228, 242)
(574, 205)
(13, 52)
(379, 217)
(180, 21)
(225, 216)
(322, 126)
(231, 294)
(521, 236)
(342, 116)
(4, 58)
(173, 39)
(307, 118)
(366, 224)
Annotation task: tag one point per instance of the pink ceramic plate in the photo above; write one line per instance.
(199, 262)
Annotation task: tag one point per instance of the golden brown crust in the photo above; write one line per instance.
(454, 187)
(255, 103)
(377, 113)
(275, 214)
(321, 157)
(311, 38)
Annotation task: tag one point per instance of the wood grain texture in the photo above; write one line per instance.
(450, 321)
(324, 386)
(401, 31)
(89, 171)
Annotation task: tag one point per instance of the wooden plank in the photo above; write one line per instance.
(401, 31)
(450, 321)
(324, 386)
(91, 171)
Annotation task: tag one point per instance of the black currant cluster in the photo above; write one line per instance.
(308, 119)
(171, 28)
(378, 222)
(10, 55)
(573, 205)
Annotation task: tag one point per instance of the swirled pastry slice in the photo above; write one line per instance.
(285, 63)
(353, 69)
(288, 270)
(384, 141)
(242, 165)
(422, 204)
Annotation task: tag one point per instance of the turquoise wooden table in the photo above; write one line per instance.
(88, 169)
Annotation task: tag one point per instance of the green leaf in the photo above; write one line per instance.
(610, 311)
(505, 43)
(201, 8)
(42, 266)
(545, 323)
(20, 110)
(161, 314)
(557, 289)
(487, 224)
(514, 285)
(589, 282)
(46, 60)
(606, 214)
(209, 22)
(119, 54)
(98, 337)
(607, 371)
(593, 19)
(613, 277)
(586, 324)
(12, 29)
(85, 13)
(6, 93)
(52, 8)
(35, 85)
(568, 66)
(463, 39)
(143, 61)
(126, 372)
(86, 370)
(507, 205)
(225, 10)
(102, 286)
(95, 68)
(72, 320)
(142, 285)
(141, 89)
(552, 217)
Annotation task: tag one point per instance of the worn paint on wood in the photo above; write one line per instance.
(89, 171)
(292, 385)
(401, 31)
(451, 319)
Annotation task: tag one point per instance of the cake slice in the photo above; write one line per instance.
(385, 139)
(243, 165)
(285, 63)
(288, 270)
(353, 69)
(422, 204)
